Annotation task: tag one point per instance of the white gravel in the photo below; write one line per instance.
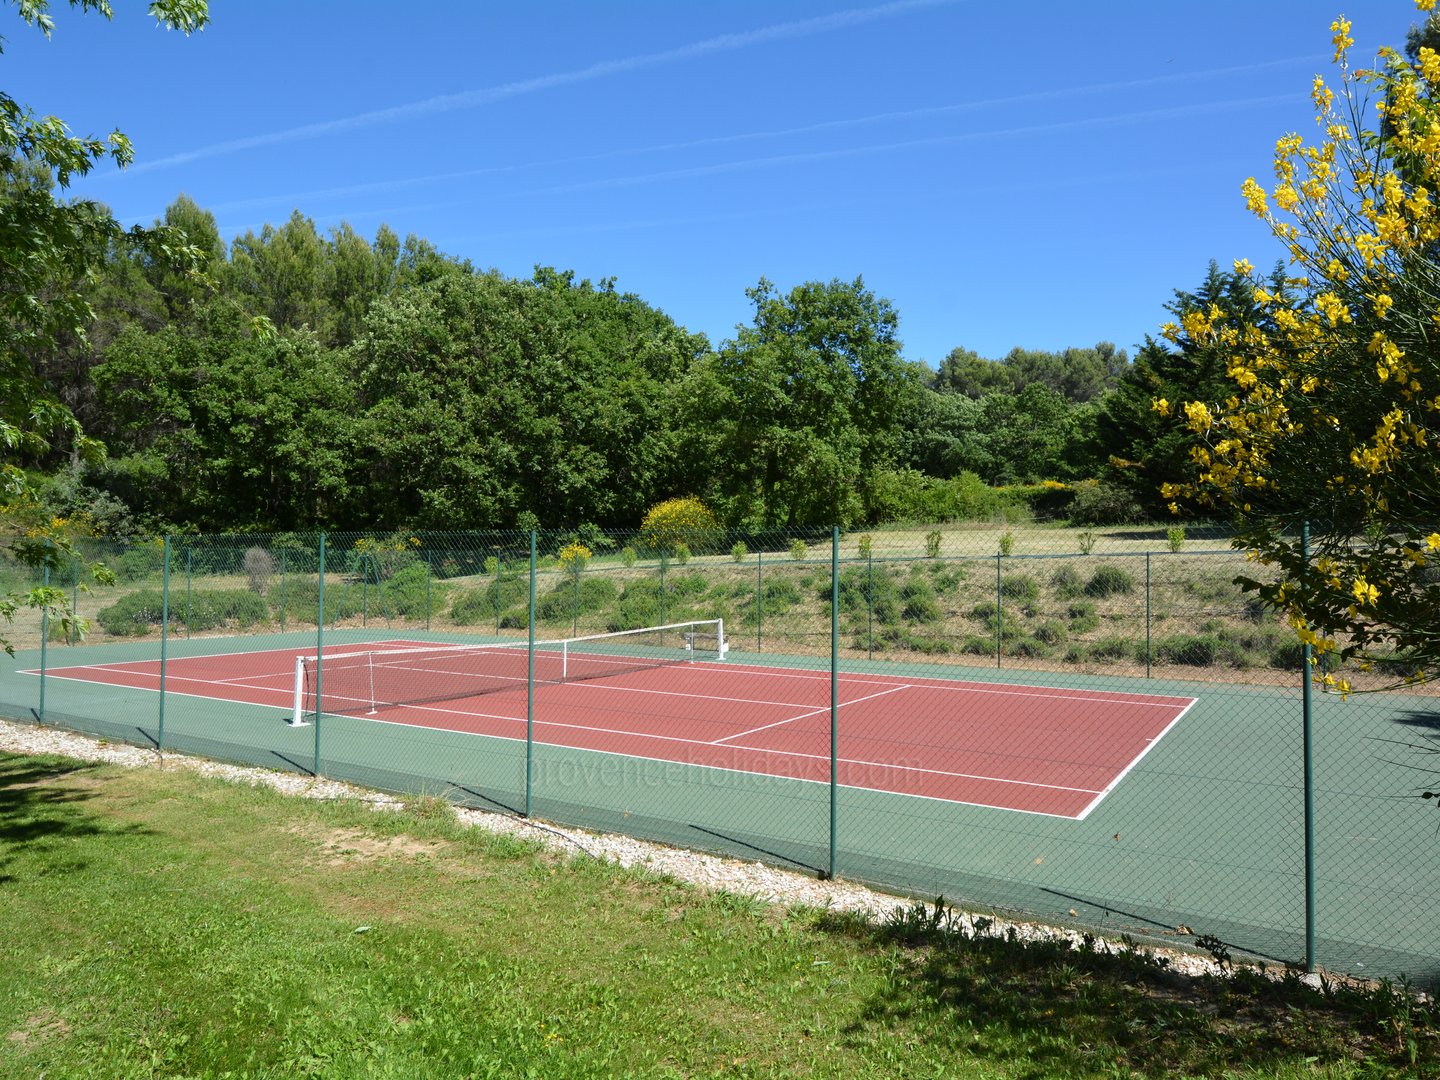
(765, 883)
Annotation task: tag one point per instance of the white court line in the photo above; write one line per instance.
(1149, 745)
(802, 716)
(778, 753)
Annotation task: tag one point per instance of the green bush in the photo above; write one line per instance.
(140, 561)
(1098, 502)
(1066, 582)
(1020, 587)
(738, 551)
(932, 544)
(565, 601)
(798, 549)
(1111, 648)
(629, 556)
(1189, 650)
(1051, 632)
(1109, 581)
(472, 606)
(1289, 655)
(920, 604)
(207, 609)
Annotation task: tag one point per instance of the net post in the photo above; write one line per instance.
(297, 718)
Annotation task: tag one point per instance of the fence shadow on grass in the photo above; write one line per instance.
(1085, 1008)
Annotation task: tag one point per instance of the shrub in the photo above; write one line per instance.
(1175, 536)
(140, 561)
(209, 609)
(738, 551)
(565, 600)
(258, 565)
(865, 545)
(682, 553)
(1020, 587)
(798, 549)
(1087, 542)
(1190, 650)
(1050, 632)
(1109, 581)
(920, 604)
(674, 522)
(492, 565)
(932, 544)
(1007, 544)
(573, 556)
(406, 594)
(1098, 502)
(629, 556)
(1066, 582)
(1110, 648)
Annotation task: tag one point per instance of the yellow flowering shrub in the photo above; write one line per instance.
(674, 522)
(1331, 422)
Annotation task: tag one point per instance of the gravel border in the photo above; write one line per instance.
(768, 884)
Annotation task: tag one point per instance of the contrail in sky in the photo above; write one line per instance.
(472, 99)
(294, 198)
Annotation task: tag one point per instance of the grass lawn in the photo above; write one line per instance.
(159, 923)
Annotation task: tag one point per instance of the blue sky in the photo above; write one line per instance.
(1041, 174)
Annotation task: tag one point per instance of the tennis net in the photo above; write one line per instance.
(365, 682)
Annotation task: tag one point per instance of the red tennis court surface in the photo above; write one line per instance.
(1035, 749)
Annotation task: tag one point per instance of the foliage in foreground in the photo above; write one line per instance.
(1332, 417)
(159, 922)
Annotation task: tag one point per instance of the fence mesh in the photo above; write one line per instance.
(1098, 730)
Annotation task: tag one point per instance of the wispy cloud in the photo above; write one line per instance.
(472, 99)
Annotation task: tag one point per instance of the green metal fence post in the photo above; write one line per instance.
(427, 592)
(164, 637)
(364, 591)
(282, 592)
(189, 580)
(663, 620)
(575, 597)
(759, 598)
(999, 614)
(44, 640)
(530, 690)
(1306, 735)
(319, 653)
(74, 634)
(498, 556)
(834, 688)
(870, 605)
(1147, 614)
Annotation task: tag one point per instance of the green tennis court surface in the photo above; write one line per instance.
(1203, 831)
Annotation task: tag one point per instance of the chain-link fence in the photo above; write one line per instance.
(1097, 729)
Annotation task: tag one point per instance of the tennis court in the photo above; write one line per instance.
(1052, 751)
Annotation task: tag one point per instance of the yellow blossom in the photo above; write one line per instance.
(1161, 406)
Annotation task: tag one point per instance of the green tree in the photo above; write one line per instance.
(1144, 449)
(48, 249)
(810, 399)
